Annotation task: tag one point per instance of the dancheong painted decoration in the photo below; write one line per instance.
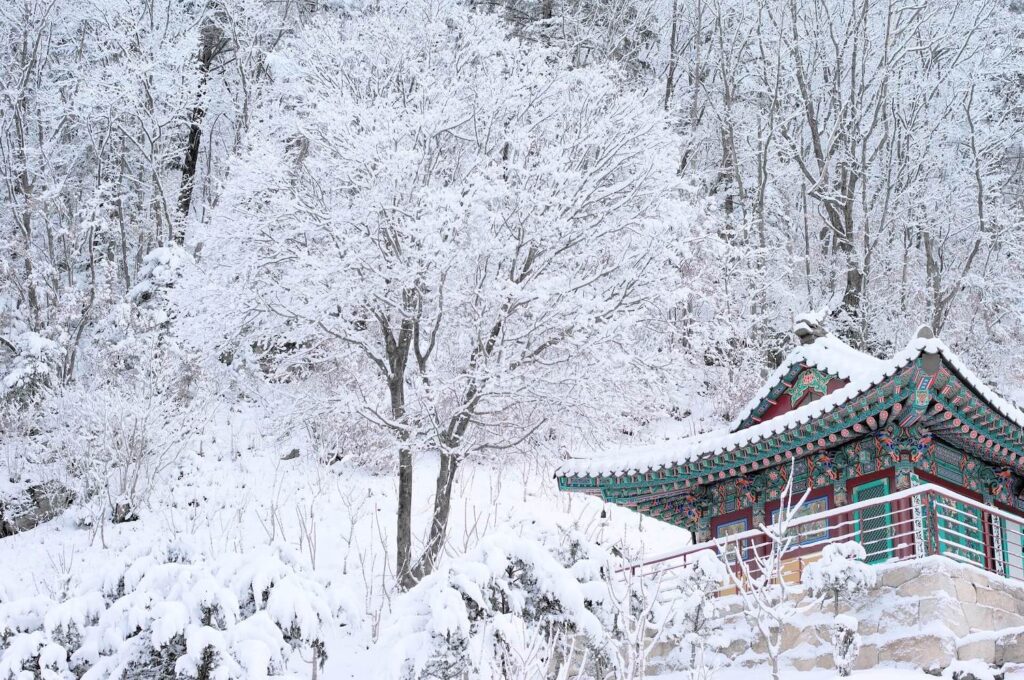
(849, 427)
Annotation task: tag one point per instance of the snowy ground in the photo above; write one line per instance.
(232, 491)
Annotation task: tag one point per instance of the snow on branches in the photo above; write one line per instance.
(168, 612)
(532, 597)
(840, 573)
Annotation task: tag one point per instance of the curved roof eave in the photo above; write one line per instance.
(651, 458)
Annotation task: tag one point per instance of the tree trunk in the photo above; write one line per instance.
(439, 519)
(397, 350)
(670, 75)
(209, 46)
(404, 528)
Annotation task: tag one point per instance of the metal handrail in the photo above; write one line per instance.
(934, 525)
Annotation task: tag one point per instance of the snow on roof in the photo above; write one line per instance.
(862, 377)
(828, 354)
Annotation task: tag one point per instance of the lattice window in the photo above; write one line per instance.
(872, 523)
(948, 465)
(944, 454)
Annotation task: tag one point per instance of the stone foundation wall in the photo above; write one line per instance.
(926, 612)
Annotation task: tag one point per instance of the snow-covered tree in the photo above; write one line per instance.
(841, 573)
(759, 575)
(838, 151)
(696, 614)
(845, 643)
(470, 233)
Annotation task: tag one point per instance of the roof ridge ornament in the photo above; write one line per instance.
(925, 332)
(809, 326)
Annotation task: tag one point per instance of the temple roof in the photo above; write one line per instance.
(826, 353)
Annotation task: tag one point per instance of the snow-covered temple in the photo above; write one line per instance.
(859, 432)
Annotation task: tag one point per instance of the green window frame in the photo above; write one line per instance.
(872, 525)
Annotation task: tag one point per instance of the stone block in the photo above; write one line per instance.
(991, 597)
(970, 573)
(898, 615)
(1010, 648)
(867, 657)
(896, 576)
(924, 651)
(928, 585)
(791, 636)
(736, 647)
(965, 591)
(803, 663)
(948, 612)
(1002, 618)
(978, 649)
(978, 616)
(661, 650)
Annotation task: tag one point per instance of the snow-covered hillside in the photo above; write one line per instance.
(230, 493)
(303, 302)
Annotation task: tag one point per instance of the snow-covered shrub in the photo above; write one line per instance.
(686, 623)
(33, 368)
(696, 612)
(523, 601)
(138, 337)
(161, 268)
(841, 573)
(113, 444)
(971, 669)
(104, 438)
(170, 613)
(845, 643)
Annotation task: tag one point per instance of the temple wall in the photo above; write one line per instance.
(902, 454)
(926, 613)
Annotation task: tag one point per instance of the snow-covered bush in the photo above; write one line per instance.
(32, 369)
(170, 613)
(971, 669)
(108, 438)
(696, 612)
(113, 443)
(841, 573)
(161, 268)
(526, 600)
(845, 643)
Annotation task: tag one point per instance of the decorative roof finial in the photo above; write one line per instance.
(808, 326)
(926, 332)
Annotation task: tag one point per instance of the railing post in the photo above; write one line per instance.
(988, 537)
(934, 547)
